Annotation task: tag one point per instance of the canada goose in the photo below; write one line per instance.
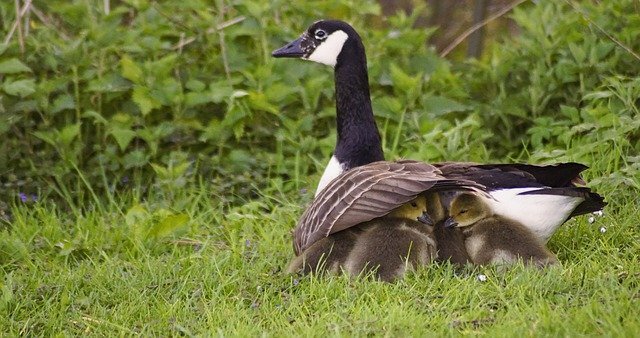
(493, 239)
(539, 197)
(390, 246)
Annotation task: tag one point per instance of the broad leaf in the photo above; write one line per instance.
(130, 70)
(22, 88)
(168, 224)
(143, 99)
(122, 136)
(13, 66)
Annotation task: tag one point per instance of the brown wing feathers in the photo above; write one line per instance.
(368, 192)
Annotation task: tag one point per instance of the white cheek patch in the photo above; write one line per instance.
(327, 52)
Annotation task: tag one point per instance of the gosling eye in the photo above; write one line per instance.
(320, 34)
(463, 211)
(414, 204)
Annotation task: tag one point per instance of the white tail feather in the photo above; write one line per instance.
(542, 214)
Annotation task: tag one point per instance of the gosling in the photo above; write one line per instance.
(387, 247)
(491, 239)
(450, 241)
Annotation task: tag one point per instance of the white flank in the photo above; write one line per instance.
(328, 50)
(542, 214)
(503, 257)
(333, 169)
(474, 244)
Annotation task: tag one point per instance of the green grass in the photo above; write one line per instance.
(107, 272)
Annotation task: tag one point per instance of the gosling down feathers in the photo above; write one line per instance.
(450, 241)
(491, 239)
(388, 246)
(541, 198)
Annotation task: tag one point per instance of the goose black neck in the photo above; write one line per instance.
(358, 138)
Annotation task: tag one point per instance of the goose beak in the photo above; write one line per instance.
(290, 50)
(450, 223)
(424, 218)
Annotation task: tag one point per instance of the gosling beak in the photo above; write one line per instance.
(426, 219)
(450, 223)
(290, 50)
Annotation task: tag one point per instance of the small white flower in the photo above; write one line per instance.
(591, 219)
(599, 213)
(603, 230)
(482, 278)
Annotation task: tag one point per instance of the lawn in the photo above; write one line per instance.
(138, 268)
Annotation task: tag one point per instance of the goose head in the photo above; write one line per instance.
(466, 209)
(329, 42)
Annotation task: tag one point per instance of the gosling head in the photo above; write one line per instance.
(466, 209)
(326, 41)
(415, 209)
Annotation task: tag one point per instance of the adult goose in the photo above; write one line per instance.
(539, 197)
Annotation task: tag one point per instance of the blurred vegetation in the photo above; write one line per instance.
(99, 100)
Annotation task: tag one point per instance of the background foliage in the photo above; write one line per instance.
(157, 92)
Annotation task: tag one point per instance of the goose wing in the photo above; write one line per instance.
(505, 176)
(367, 192)
(562, 179)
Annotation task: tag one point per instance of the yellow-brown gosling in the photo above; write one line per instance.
(491, 239)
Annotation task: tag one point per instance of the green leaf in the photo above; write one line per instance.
(143, 99)
(195, 85)
(122, 136)
(164, 65)
(47, 136)
(402, 81)
(259, 101)
(597, 95)
(168, 225)
(578, 52)
(221, 92)
(13, 66)
(22, 88)
(97, 118)
(130, 70)
(69, 133)
(109, 83)
(135, 159)
(62, 102)
(193, 99)
(161, 171)
(440, 105)
(136, 215)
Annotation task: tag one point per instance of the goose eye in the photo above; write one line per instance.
(320, 34)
